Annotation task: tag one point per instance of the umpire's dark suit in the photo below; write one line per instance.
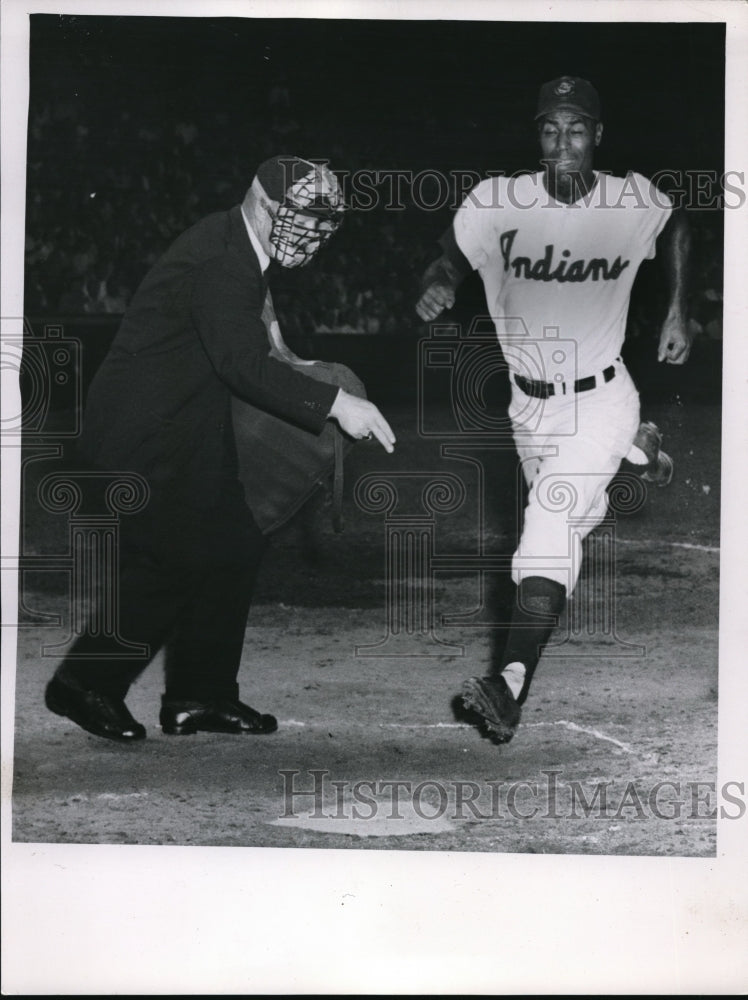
(160, 405)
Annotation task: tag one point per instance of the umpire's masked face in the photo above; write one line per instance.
(295, 236)
(308, 216)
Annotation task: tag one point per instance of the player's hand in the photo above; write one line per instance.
(675, 343)
(436, 298)
(361, 419)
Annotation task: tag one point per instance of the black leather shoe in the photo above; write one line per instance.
(182, 718)
(99, 714)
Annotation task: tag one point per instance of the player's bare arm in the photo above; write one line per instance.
(674, 247)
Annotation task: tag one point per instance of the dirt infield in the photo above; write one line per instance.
(616, 753)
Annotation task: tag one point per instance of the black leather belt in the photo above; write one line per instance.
(542, 390)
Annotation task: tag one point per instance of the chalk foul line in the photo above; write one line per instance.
(465, 725)
(653, 543)
(583, 729)
(527, 725)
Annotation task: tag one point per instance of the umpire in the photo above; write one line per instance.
(160, 405)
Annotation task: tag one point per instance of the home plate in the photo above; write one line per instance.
(404, 821)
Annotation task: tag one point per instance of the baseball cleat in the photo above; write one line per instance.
(491, 699)
(659, 472)
(659, 469)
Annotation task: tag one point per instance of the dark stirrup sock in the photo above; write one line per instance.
(537, 606)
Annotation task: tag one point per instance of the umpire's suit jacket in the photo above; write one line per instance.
(193, 335)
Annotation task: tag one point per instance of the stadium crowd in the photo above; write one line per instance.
(117, 190)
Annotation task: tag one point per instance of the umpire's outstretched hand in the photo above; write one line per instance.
(361, 419)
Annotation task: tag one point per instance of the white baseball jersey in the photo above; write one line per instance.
(558, 276)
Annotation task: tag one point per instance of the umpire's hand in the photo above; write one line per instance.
(361, 419)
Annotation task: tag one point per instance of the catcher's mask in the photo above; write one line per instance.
(310, 208)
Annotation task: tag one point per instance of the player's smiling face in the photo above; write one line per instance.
(568, 141)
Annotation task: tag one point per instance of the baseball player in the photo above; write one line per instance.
(160, 405)
(558, 251)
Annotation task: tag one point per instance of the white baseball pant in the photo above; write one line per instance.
(570, 446)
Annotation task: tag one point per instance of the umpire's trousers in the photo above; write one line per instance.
(186, 578)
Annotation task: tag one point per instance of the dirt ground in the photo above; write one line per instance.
(616, 753)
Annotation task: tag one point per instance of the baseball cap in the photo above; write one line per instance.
(569, 93)
(280, 173)
(297, 182)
